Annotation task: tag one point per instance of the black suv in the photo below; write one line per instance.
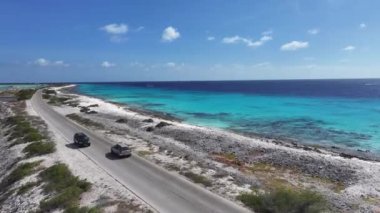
(81, 139)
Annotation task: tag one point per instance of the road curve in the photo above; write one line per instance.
(162, 190)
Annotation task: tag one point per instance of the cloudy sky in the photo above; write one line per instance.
(140, 40)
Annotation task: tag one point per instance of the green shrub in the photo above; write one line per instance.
(284, 200)
(25, 94)
(19, 173)
(26, 187)
(83, 210)
(22, 129)
(49, 92)
(198, 178)
(67, 187)
(84, 121)
(33, 135)
(13, 120)
(39, 148)
(57, 100)
(67, 198)
(60, 177)
(46, 96)
(162, 124)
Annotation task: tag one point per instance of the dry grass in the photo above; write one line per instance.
(126, 207)
(144, 153)
(173, 167)
(198, 178)
(261, 167)
(84, 121)
(228, 159)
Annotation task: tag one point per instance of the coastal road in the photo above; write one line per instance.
(162, 190)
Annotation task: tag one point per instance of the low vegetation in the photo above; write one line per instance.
(121, 120)
(46, 96)
(84, 121)
(198, 178)
(66, 187)
(25, 94)
(261, 167)
(57, 101)
(149, 120)
(77, 209)
(230, 156)
(229, 159)
(49, 92)
(284, 200)
(162, 124)
(21, 128)
(173, 167)
(23, 132)
(51, 95)
(60, 185)
(143, 153)
(23, 170)
(26, 187)
(39, 148)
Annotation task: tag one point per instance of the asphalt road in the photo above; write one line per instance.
(162, 190)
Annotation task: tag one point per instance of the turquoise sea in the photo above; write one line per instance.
(342, 113)
(18, 86)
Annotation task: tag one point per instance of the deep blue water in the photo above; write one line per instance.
(327, 112)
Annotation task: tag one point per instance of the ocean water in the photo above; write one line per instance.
(342, 113)
(18, 86)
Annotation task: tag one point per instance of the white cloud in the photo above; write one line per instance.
(269, 32)
(231, 40)
(294, 45)
(170, 64)
(115, 29)
(139, 29)
(41, 62)
(363, 26)
(313, 31)
(107, 64)
(59, 63)
(116, 32)
(349, 48)
(170, 34)
(44, 63)
(210, 38)
(249, 42)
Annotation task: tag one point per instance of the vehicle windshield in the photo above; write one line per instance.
(82, 137)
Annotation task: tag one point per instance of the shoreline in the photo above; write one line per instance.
(232, 162)
(342, 151)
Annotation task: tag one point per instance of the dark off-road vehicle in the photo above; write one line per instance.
(81, 139)
(121, 150)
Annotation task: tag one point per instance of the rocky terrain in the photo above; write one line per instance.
(31, 152)
(230, 163)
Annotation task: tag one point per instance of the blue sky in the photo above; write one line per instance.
(140, 40)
